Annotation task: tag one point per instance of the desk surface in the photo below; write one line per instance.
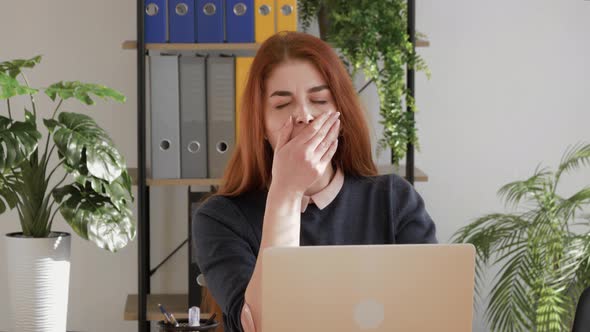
(176, 304)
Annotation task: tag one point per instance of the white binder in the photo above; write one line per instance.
(164, 111)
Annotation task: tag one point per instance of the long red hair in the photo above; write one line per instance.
(251, 163)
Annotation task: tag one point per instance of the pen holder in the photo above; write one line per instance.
(183, 326)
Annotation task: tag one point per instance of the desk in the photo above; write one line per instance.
(176, 304)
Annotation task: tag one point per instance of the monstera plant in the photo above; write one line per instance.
(87, 183)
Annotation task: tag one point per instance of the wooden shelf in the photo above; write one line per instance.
(176, 304)
(419, 176)
(183, 182)
(133, 174)
(132, 44)
(172, 182)
(422, 43)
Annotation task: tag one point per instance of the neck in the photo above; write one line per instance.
(322, 182)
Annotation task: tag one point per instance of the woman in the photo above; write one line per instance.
(302, 174)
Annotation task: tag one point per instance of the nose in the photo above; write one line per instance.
(303, 115)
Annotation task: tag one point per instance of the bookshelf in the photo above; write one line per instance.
(419, 176)
(132, 45)
(142, 307)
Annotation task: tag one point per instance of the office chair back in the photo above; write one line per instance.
(582, 319)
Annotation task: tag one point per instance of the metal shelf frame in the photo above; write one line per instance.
(143, 189)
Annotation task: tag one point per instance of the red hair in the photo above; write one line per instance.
(251, 163)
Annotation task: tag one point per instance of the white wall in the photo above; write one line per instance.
(509, 89)
(80, 40)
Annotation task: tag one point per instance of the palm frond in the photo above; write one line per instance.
(509, 308)
(544, 267)
(574, 157)
(514, 192)
(480, 268)
(567, 207)
(550, 310)
(485, 232)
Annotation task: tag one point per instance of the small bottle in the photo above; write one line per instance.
(194, 316)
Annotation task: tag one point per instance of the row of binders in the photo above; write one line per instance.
(217, 21)
(194, 109)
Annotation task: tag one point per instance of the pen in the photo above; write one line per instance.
(173, 320)
(210, 320)
(169, 318)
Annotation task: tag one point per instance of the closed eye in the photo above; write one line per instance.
(281, 106)
(321, 102)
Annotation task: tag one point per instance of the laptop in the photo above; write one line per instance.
(368, 287)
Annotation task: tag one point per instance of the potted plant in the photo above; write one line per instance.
(75, 170)
(373, 36)
(542, 250)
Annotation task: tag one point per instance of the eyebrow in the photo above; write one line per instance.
(282, 93)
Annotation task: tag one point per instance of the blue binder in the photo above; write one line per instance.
(155, 21)
(210, 21)
(181, 14)
(239, 25)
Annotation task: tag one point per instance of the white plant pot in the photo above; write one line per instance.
(38, 282)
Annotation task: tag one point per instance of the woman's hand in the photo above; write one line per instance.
(300, 161)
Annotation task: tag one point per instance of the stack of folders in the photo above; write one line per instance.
(194, 108)
(217, 21)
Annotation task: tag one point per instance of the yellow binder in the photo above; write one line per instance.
(264, 20)
(286, 15)
(243, 65)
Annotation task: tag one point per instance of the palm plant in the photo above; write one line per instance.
(544, 263)
(96, 201)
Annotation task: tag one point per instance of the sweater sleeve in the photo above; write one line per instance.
(224, 256)
(411, 221)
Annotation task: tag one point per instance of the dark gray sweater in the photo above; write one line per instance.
(370, 210)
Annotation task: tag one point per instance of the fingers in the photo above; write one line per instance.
(323, 131)
(285, 133)
(328, 138)
(327, 157)
(311, 130)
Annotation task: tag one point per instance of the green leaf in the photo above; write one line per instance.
(18, 140)
(574, 158)
(516, 191)
(119, 191)
(83, 92)
(50, 124)
(113, 229)
(34, 201)
(75, 133)
(10, 87)
(104, 161)
(307, 10)
(14, 68)
(30, 118)
(8, 198)
(94, 218)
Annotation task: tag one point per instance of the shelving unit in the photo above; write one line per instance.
(419, 176)
(132, 45)
(143, 306)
